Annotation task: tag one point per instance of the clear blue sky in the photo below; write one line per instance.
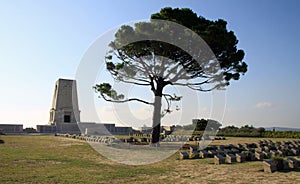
(41, 41)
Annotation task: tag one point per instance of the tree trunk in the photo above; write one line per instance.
(156, 120)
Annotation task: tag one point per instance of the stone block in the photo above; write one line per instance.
(220, 152)
(293, 163)
(221, 147)
(269, 166)
(234, 150)
(227, 151)
(203, 154)
(259, 156)
(273, 153)
(266, 154)
(194, 155)
(230, 158)
(183, 155)
(193, 149)
(218, 159)
(240, 157)
(295, 152)
(212, 153)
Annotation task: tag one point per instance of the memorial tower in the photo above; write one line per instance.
(64, 113)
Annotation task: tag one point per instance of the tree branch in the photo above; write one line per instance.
(136, 83)
(127, 100)
(191, 84)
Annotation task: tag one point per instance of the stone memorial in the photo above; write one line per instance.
(266, 154)
(273, 153)
(230, 158)
(259, 156)
(269, 166)
(183, 155)
(203, 154)
(240, 157)
(194, 155)
(211, 153)
(295, 152)
(293, 163)
(218, 159)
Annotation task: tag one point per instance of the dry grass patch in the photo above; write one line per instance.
(49, 159)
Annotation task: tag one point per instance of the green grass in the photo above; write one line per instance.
(50, 159)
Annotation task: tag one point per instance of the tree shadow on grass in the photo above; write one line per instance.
(284, 171)
(290, 170)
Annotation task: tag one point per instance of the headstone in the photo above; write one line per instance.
(253, 145)
(269, 166)
(221, 147)
(266, 154)
(234, 150)
(259, 156)
(240, 157)
(230, 158)
(291, 145)
(193, 149)
(240, 147)
(250, 149)
(293, 163)
(214, 147)
(295, 152)
(249, 156)
(203, 154)
(281, 153)
(183, 155)
(259, 149)
(227, 151)
(218, 159)
(274, 153)
(220, 152)
(212, 153)
(231, 146)
(252, 156)
(194, 154)
(288, 152)
(267, 148)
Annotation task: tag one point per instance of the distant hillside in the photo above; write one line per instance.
(282, 129)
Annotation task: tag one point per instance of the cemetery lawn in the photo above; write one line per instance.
(50, 159)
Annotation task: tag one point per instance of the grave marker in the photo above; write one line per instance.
(218, 159)
(230, 158)
(269, 166)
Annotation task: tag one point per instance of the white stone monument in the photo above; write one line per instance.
(65, 113)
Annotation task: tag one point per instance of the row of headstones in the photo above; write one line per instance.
(281, 164)
(218, 159)
(251, 152)
(270, 145)
(105, 139)
(140, 135)
(100, 139)
(176, 138)
(286, 148)
(109, 140)
(185, 138)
